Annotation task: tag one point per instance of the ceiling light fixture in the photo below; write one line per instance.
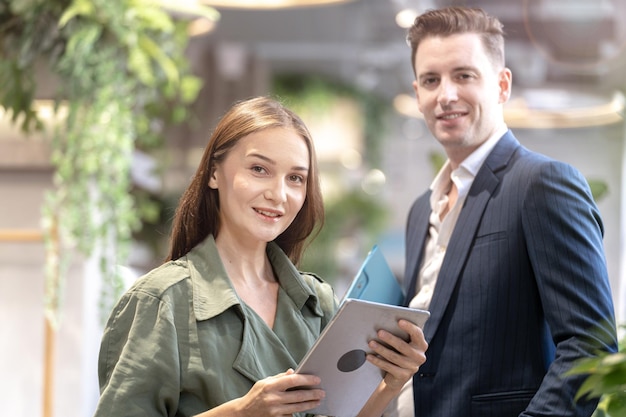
(522, 112)
(406, 17)
(269, 4)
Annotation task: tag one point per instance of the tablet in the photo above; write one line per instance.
(375, 281)
(338, 355)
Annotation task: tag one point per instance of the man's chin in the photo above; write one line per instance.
(448, 139)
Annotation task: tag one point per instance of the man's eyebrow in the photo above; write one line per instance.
(454, 70)
(465, 68)
(427, 74)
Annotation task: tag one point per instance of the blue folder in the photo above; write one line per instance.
(375, 281)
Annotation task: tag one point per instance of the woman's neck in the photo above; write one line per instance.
(251, 275)
(247, 263)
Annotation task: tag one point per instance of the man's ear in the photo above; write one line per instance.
(417, 96)
(505, 82)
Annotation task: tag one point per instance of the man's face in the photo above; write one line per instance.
(459, 92)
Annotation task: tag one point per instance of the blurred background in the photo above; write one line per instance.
(344, 66)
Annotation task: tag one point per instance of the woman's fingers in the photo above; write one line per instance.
(283, 394)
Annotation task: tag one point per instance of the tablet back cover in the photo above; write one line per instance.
(338, 355)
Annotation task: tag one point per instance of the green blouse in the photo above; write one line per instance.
(180, 341)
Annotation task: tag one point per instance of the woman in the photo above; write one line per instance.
(217, 329)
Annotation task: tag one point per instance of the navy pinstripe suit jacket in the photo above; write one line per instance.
(522, 293)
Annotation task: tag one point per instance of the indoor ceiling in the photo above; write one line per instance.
(573, 44)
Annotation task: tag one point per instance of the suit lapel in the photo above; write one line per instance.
(416, 239)
(464, 232)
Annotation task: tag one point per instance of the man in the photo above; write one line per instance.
(505, 249)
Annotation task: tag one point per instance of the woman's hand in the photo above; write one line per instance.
(401, 359)
(280, 395)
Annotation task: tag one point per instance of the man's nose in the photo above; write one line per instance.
(447, 92)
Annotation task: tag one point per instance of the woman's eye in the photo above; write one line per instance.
(297, 178)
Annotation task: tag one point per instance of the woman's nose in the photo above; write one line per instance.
(276, 191)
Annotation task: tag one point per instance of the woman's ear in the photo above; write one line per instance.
(213, 180)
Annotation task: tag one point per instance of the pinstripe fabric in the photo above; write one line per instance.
(524, 274)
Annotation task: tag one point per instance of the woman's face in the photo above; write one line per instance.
(262, 184)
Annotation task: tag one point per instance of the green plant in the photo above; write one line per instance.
(606, 380)
(121, 75)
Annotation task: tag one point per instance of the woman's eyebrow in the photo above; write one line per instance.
(272, 162)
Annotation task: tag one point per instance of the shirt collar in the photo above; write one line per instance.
(213, 292)
(467, 170)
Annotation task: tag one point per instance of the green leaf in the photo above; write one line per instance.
(139, 64)
(77, 8)
(189, 88)
(585, 366)
(617, 405)
(599, 188)
(156, 53)
(153, 18)
(83, 41)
